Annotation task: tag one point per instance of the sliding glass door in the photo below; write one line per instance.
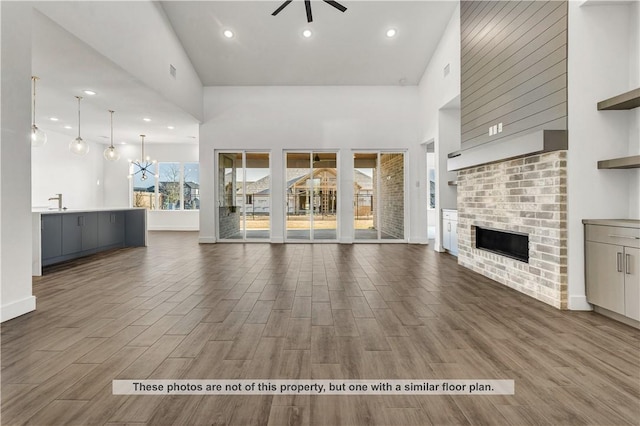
(311, 196)
(244, 196)
(379, 193)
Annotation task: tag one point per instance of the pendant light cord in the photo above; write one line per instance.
(34, 78)
(143, 157)
(111, 128)
(79, 99)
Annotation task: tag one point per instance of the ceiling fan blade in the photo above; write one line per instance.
(307, 6)
(337, 5)
(282, 6)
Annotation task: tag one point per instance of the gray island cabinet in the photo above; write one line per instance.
(61, 235)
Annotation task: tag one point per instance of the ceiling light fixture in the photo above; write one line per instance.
(68, 127)
(307, 6)
(53, 118)
(89, 92)
(228, 33)
(306, 33)
(392, 32)
(111, 153)
(142, 166)
(171, 127)
(78, 145)
(146, 119)
(38, 137)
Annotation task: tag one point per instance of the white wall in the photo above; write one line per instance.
(117, 190)
(55, 170)
(331, 118)
(439, 99)
(137, 36)
(16, 297)
(601, 47)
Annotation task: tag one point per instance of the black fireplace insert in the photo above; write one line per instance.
(510, 244)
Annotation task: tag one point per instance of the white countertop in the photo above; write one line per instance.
(87, 210)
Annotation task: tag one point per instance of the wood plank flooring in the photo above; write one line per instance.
(180, 310)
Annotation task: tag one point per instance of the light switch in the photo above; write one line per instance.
(499, 127)
(495, 129)
(490, 130)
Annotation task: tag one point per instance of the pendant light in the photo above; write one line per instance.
(38, 137)
(78, 145)
(142, 166)
(111, 153)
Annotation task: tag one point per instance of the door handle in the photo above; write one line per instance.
(627, 265)
(449, 226)
(619, 261)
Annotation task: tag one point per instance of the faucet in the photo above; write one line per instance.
(59, 198)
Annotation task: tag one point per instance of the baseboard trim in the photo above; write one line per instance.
(207, 240)
(17, 308)
(277, 240)
(579, 303)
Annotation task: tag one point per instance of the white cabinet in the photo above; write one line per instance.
(450, 231)
(612, 261)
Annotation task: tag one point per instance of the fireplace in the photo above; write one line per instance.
(509, 244)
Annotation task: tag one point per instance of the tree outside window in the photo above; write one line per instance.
(169, 186)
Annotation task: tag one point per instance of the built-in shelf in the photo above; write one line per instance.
(627, 100)
(631, 162)
(452, 183)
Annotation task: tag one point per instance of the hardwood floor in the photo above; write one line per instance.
(179, 310)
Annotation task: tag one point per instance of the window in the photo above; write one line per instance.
(191, 186)
(163, 191)
(169, 186)
(144, 190)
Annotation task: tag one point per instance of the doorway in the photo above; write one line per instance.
(311, 196)
(244, 196)
(379, 196)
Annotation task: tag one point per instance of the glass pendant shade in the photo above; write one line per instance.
(111, 153)
(78, 146)
(38, 137)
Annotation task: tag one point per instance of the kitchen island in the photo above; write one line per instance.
(60, 235)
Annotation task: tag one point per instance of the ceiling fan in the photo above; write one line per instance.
(307, 5)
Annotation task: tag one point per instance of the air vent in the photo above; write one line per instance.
(172, 71)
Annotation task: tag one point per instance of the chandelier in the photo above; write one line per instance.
(142, 166)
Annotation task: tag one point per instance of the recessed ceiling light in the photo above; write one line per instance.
(307, 33)
(89, 92)
(146, 119)
(123, 143)
(228, 33)
(391, 32)
(53, 118)
(170, 127)
(68, 127)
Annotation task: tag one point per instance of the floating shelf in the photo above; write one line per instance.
(452, 183)
(627, 100)
(631, 162)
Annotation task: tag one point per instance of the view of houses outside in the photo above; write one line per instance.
(168, 196)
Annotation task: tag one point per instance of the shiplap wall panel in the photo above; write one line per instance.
(502, 49)
(504, 90)
(500, 21)
(513, 57)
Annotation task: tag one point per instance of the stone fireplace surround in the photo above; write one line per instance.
(525, 195)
